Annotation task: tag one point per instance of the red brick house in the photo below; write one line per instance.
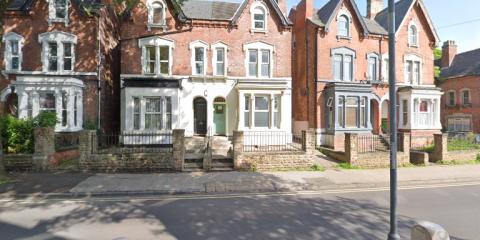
(460, 81)
(58, 57)
(206, 67)
(340, 84)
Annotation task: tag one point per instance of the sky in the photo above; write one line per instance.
(444, 13)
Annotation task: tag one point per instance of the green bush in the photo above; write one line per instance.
(17, 134)
(45, 119)
(90, 125)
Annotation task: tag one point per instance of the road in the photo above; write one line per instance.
(347, 214)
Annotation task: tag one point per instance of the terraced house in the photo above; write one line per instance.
(209, 67)
(58, 57)
(340, 82)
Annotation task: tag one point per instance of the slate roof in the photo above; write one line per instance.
(378, 26)
(464, 64)
(210, 10)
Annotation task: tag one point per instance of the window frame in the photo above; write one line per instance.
(267, 111)
(458, 119)
(376, 58)
(165, 113)
(463, 91)
(410, 75)
(158, 43)
(344, 52)
(254, 9)
(216, 47)
(52, 12)
(151, 14)
(199, 44)
(449, 98)
(259, 47)
(340, 31)
(59, 38)
(413, 34)
(7, 39)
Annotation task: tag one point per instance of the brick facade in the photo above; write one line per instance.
(94, 33)
(312, 58)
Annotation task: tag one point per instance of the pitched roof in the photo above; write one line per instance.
(20, 5)
(326, 14)
(464, 64)
(210, 10)
(374, 28)
(222, 10)
(402, 8)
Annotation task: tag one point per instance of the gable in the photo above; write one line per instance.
(329, 12)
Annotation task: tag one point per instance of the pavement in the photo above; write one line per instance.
(82, 184)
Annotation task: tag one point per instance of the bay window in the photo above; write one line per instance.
(47, 102)
(262, 111)
(352, 112)
(152, 113)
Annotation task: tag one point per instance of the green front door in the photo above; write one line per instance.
(219, 118)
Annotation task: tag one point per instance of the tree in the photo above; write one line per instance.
(437, 55)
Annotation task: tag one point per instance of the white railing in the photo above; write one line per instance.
(424, 119)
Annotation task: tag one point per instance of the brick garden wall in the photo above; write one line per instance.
(131, 162)
(275, 161)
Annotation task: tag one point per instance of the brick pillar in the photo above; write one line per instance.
(178, 149)
(44, 146)
(308, 141)
(351, 151)
(88, 145)
(440, 150)
(237, 148)
(404, 146)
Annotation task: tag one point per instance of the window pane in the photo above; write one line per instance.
(340, 112)
(347, 69)
(343, 26)
(220, 55)
(47, 101)
(199, 52)
(261, 103)
(405, 112)
(164, 68)
(168, 105)
(337, 67)
(372, 68)
(136, 113)
(64, 109)
(60, 8)
(14, 47)
(164, 53)
(261, 119)
(417, 73)
(276, 109)
(423, 106)
(153, 113)
(363, 112)
(351, 112)
(67, 64)
(247, 102)
(252, 56)
(67, 49)
(157, 13)
(252, 69)
(15, 63)
(52, 56)
(220, 69)
(265, 67)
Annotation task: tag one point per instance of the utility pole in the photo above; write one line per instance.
(393, 234)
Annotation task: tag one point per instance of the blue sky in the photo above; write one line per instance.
(443, 13)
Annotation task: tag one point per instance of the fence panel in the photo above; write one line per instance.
(271, 142)
(134, 142)
(372, 143)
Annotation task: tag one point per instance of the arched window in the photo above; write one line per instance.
(156, 14)
(343, 26)
(259, 17)
(412, 35)
(157, 9)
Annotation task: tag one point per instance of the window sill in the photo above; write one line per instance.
(152, 25)
(413, 45)
(58, 20)
(339, 37)
(259, 31)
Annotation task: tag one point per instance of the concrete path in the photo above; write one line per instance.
(268, 181)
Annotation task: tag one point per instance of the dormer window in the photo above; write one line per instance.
(412, 35)
(13, 51)
(259, 17)
(343, 26)
(58, 11)
(58, 51)
(156, 14)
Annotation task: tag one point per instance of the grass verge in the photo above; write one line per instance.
(348, 166)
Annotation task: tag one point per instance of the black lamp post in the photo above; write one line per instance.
(393, 234)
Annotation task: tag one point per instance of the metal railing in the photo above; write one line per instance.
(271, 142)
(134, 142)
(372, 143)
(66, 141)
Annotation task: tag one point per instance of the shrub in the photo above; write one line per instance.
(45, 119)
(17, 134)
(90, 125)
(463, 143)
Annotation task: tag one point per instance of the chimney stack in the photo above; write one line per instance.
(449, 51)
(374, 7)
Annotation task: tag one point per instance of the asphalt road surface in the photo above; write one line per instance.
(357, 214)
